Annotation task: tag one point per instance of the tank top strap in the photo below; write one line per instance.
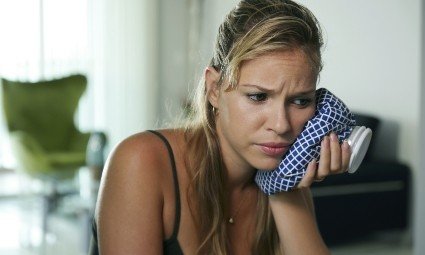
(176, 183)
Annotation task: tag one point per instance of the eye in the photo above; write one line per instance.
(302, 102)
(258, 97)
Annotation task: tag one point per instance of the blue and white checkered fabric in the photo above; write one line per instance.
(331, 115)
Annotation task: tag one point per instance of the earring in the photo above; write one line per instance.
(214, 111)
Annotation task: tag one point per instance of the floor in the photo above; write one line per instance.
(21, 228)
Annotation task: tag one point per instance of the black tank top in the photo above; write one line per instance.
(171, 245)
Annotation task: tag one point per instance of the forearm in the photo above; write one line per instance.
(296, 224)
(308, 199)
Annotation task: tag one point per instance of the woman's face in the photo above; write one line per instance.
(259, 120)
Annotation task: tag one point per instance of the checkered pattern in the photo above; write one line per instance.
(331, 115)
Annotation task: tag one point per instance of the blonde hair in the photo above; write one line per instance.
(251, 29)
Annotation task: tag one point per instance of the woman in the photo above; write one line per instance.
(191, 190)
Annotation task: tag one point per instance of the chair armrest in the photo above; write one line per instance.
(92, 144)
(30, 156)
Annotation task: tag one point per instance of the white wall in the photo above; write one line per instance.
(419, 212)
(124, 75)
(214, 12)
(372, 62)
(173, 58)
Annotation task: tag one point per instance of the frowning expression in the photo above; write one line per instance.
(259, 120)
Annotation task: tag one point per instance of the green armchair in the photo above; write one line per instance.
(40, 120)
(44, 139)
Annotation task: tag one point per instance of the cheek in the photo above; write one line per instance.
(301, 117)
(240, 116)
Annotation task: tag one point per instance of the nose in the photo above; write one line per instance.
(279, 120)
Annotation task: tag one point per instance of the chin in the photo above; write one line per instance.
(268, 165)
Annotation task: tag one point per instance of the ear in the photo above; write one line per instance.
(212, 77)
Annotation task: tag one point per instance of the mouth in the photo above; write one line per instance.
(274, 149)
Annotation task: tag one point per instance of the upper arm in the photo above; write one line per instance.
(130, 201)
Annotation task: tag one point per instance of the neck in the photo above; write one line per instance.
(239, 173)
(240, 191)
(238, 178)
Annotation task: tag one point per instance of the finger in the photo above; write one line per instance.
(310, 173)
(325, 158)
(335, 153)
(346, 155)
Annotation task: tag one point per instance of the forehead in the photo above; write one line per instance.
(290, 66)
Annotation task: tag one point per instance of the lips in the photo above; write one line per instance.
(274, 149)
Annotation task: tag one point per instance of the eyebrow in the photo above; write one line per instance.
(301, 93)
(258, 87)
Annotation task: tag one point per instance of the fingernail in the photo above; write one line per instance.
(325, 141)
(346, 146)
(333, 137)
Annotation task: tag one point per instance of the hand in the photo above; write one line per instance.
(334, 159)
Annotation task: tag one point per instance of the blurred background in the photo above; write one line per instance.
(137, 61)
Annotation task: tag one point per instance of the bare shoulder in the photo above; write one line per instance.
(131, 194)
(136, 156)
